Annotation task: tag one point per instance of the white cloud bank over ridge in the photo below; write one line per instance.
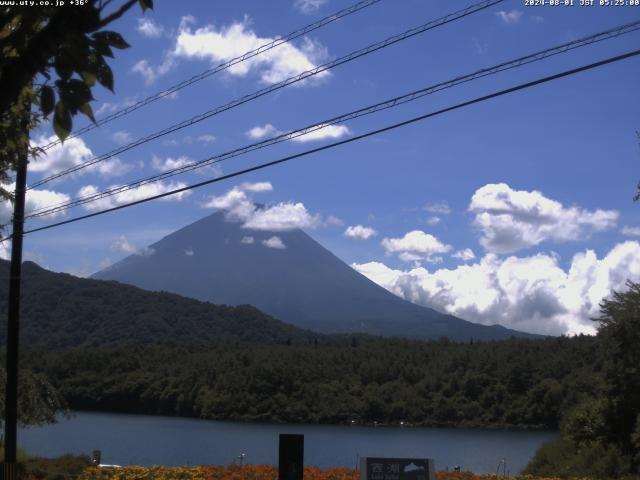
(527, 293)
(511, 220)
(282, 217)
(228, 42)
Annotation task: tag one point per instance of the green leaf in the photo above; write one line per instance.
(62, 121)
(113, 39)
(146, 4)
(63, 66)
(89, 78)
(105, 76)
(47, 100)
(86, 109)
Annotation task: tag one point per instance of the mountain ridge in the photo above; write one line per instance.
(303, 283)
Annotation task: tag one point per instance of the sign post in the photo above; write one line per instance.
(377, 468)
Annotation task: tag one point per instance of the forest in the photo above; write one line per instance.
(516, 383)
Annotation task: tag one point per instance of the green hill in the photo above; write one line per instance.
(61, 311)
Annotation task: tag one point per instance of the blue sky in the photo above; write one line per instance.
(516, 211)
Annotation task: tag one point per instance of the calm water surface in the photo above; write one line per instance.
(154, 440)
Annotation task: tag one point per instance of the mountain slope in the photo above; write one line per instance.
(61, 311)
(303, 284)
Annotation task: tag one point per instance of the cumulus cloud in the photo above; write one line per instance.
(139, 193)
(433, 220)
(360, 232)
(284, 216)
(36, 199)
(510, 220)
(274, 242)
(631, 231)
(309, 6)
(464, 255)
(226, 43)
(281, 217)
(262, 131)
(69, 154)
(416, 246)
(527, 293)
(166, 164)
(247, 240)
(323, 132)
(121, 244)
(511, 17)
(189, 252)
(148, 28)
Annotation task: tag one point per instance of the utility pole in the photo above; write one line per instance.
(13, 320)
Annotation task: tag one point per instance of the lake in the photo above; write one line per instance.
(155, 440)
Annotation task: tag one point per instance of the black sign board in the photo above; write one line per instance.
(376, 468)
(291, 457)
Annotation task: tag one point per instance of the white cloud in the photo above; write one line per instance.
(321, 133)
(189, 252)
(257, 187)
(164, 165)
(528, 293)
(309, 6)
(259, 132)
(434, 220)
(71, 153)
(511, 17)
(36, 199)
(324, 132)
(284, 216)
(631, 231)
(464, 255)
(148, 28)
(274, 242)
(510, 220)
(139, 193)
(335, 221)
(226, 43)
(207, 138)
(415, 246)
(150, 73)
(281, 217)
(5, 250)
(440, 208)
(121, 244)
(360, 232)
(247, 240)
(122, 137)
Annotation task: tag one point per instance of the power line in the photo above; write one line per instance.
(261, 166)
(390, 103)
(223, 66)
(289, 81)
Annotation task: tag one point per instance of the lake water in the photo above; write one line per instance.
(154, 440)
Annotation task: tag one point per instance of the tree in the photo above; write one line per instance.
(39, 402)
(52, 57)
(620, 332)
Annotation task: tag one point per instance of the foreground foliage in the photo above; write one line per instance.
(600, 436)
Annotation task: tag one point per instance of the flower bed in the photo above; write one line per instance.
(252, 472)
